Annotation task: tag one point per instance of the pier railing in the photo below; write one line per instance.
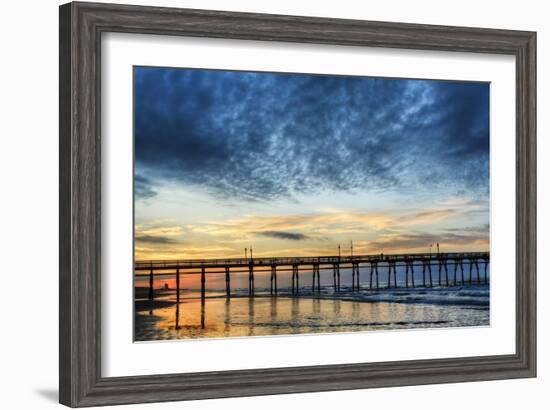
(303, 260)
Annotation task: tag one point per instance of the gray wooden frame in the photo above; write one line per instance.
(81, 26)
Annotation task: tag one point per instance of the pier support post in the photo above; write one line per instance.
(407, 274)
(334, 277)
(471, 266)
(439, 272)
(227, 282)
(424, 273)
(412, 273)
(177, 298)
(456, 267)
(295, 280)
(427, 265)
(477, 272)
(391, 267)
(354, 276)
(486, 277)
(250, 279)
(178, 286)
(462, 271)
(371, 273)
(151, 290)
(273, 280)
(338, 275)
(318, 279)
(203, 284)
(203, 313)
(376, 274)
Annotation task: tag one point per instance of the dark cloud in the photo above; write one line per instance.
(260, 136)
(484, 229)
(293, 236)
(143, 187)
(157, 240)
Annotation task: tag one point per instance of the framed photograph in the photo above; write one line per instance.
(262, 204)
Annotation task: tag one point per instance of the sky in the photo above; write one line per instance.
(297, 164)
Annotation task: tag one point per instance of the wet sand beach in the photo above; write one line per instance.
(309, 314)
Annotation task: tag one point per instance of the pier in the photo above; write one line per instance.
(438, 269)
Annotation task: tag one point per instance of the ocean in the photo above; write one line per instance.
(310, 313)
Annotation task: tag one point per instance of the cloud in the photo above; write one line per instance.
(448, 241)
(293, 236)
(157, 240)
(426, 216)
(262, 136)
(143, 187)
(334, 222)
(315, 225)
(471, 229)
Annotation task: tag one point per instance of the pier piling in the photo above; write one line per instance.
(316, 275)
(178, 286)
(203, 284)
(227, 282)
(424, 273)
(315, 278)
(427, 265)
(456, 267)
(371, 273)
(177, 298)
(273, 280)
(334, 265)
(354, 276)
(295, 280)
(251, 278)
(151, 290)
